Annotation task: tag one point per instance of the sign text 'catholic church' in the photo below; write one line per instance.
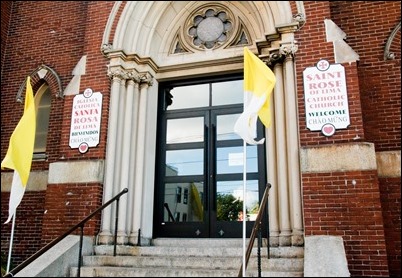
(326, 98)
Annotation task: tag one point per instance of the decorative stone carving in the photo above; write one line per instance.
(117, 74)
(178, 46)
(273, 59)
(134, 76)
(300, 18)
(210, 27)
(122, 75)
(146, 78)
(389, 54)
(288, 49)
(242, 36)
(106, 47)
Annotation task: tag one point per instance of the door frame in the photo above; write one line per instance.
(186, 229)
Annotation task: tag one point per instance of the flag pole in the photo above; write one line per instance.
(244, 205)
(245, 100)
(11, 243)
(259, 82)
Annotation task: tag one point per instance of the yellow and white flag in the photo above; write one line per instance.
(259, 81)
(20, 151)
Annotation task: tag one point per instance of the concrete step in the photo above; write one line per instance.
(171, 257)
(197, 250)
(212, 242)
(279, 264)
(107, 271)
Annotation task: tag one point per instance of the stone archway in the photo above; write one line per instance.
(147, 42)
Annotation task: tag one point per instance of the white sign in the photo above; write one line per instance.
(326, 98)
(86, 120)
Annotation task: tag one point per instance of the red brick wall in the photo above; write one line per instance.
(374, 102)
(68, 204)
(95, 78)
(61, 32)
(312, 47)
(28, 226)
(333, 206)
(44, 215)
(51, 33)
(368, 24)
(54, 36)
(5, 21)
(390, 189)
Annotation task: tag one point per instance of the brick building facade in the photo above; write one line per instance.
(345, 184)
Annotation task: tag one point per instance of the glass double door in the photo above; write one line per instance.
(200, 188)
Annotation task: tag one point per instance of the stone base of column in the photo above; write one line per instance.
(122, 238)
(105, 237)
(274, 239)
(285, 238)
(297, 239)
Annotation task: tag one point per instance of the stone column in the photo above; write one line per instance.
(116, 74)
(124, 211)
(119, 140)
(273, 213)
(146, 81)
(292, 142)
(281, 160)
(133, 153)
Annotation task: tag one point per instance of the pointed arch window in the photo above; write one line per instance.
(42, 104)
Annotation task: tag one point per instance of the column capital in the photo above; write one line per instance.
(117, 74)
(134, 76)
(288, 48)
(146, 78)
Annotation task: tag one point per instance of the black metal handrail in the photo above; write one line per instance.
(72, 229)
(257, 229)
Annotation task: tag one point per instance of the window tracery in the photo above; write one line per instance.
(210, 27)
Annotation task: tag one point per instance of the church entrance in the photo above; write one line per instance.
(199, 165)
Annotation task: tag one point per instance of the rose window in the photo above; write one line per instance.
(210, 30)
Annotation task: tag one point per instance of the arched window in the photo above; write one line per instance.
(42, 104)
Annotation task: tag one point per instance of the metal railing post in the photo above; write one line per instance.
(256, 228)
(259, 251)
(268, 236)
(115, 227)
(80, 251)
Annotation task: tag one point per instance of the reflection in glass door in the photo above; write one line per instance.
(199, 178)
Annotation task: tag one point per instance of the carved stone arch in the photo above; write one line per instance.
(143, 36)
(149, 29)
(40, 75)
(393, 45)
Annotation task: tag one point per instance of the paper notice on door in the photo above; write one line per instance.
(235, 159)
